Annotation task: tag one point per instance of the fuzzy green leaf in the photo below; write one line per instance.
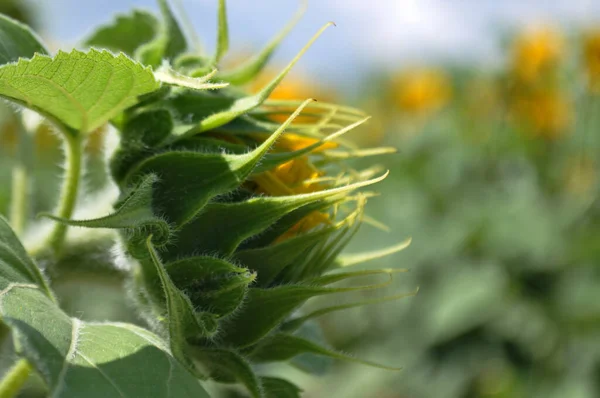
(126, 33)
(18, 41)
(227, 366)
(80, 90)
(75, 358)
(283, 346)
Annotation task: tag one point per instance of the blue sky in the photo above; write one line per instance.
(383, 33)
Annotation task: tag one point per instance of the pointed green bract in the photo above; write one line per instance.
(222, 227)
(168, 43)
(227, 366)
(71, 355)
(265, 309)
(126, 33)
(191, 179)
(270, 261)
(283, 346)
(80, 90)
(212, 285)
(182, 321)
(169, 76)
(222, 33)
(295, 323)
(18, 41)
(134, 214)
(246, 104)
(250, 69)
(349, 260)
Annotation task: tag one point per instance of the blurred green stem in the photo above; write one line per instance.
(19, 203)
(70, 188)
(14, 379)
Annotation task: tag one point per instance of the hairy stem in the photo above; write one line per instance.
(14, 379)
(70, 188)
(19, 203)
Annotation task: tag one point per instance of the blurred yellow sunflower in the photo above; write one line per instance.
(546, 113)
(421, 91)
(536, 51)
(591, 54)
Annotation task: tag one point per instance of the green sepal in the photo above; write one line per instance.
(165, 74)
(188, 180)
(212, 285)
(126, 33)
(227, 366)
(270, 261)
(140, 134)
(243, 105)
(183, 323)
(80, 90)
(295, 323)
(168, 43)
(221, 227)
(348, 260)
(222, 33)
(284, 346)
(286, 222)
(265, 309)
(273, 160)
(133, 214)
(247, 71)
(275, 387)
(18, 41)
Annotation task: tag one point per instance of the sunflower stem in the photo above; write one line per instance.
(19, 203)
(14, 379)
(70, 188)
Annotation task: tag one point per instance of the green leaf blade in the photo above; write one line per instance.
(80, 90)
(18, 41)
(77, 359)
(126, 33)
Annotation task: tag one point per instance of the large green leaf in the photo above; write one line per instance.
(80, 90)
(126, 33)
(80, 359)
(18, 41)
